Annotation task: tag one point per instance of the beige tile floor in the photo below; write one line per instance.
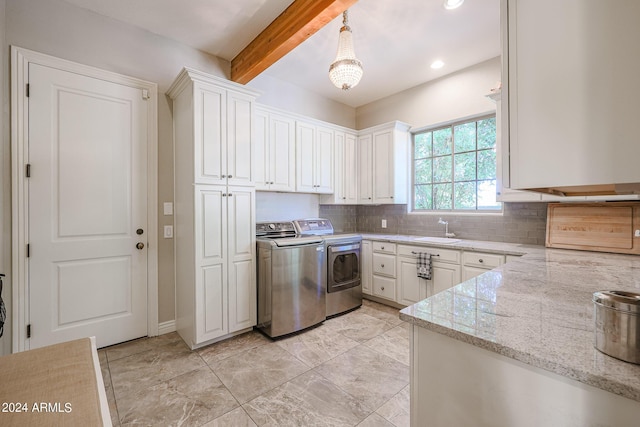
(353, 370)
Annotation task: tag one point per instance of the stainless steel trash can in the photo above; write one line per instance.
(617, 324)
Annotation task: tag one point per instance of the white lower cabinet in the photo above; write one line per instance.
(383, 268)
(411, 288)
(389, 270)
(476, 263)
(215, 289)
(445, 273)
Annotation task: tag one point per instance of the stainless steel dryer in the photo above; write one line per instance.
(344, 287)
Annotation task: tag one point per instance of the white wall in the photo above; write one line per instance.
(286, 206)
(288, 97)
(451, 97)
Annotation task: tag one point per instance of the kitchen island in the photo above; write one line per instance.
(514, 346)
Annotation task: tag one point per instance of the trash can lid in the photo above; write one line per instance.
(618, 300)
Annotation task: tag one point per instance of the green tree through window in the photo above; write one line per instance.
(454, 167)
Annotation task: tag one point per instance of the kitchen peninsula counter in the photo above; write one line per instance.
(536, 310)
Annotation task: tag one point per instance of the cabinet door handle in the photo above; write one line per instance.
(224, 194)
(381, 265)
(480, 260)
(382, 248)
(369, 198)
(382, 288)
(223, 176)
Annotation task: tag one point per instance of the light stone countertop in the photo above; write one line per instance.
(537, 309)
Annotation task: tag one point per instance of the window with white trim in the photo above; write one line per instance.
(454, 167)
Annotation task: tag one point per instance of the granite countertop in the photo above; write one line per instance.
(537, 309)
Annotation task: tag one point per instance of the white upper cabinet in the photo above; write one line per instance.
(314, 158)
(384, 164)
(345, 170)
(274, 150)
(571, 74)
(216, 122)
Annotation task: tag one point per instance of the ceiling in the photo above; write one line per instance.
(396, 40)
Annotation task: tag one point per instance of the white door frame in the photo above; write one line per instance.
(20, 59)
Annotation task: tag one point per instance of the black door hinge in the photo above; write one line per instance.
(28, 90)
(28, 250)
(28, 170)
(28, 331)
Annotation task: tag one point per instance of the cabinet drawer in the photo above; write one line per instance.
(384, 287)
(385, 247)
(440, 255)
(384, 264)
(483, 260)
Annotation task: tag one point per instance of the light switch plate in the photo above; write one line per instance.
(168, 231)
(168, 208)
(384, 223)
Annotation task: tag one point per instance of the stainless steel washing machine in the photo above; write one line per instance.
(291, 272)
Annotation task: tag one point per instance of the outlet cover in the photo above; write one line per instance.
(384, 223)
(168, 231)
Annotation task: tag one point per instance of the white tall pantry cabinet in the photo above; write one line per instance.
(214, 207)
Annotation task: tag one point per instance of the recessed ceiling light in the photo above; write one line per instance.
(452, 4)
(437, 64)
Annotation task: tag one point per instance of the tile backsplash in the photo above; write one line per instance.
(520, 222)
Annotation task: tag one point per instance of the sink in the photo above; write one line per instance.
(441, 240)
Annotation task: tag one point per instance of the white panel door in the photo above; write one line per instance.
(443, 277)
(87, 199)
(283, 153)
(383, 156)
(210, 134)
(239, 149)
(241, 250)
(305, 158)
(365, 172)
(350, 174)
(211, 259)
(261, 150)
(324, 160)
(411, 288)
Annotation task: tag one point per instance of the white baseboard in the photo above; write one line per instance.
(166, 327)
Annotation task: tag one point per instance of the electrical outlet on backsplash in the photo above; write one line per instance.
(520, 222)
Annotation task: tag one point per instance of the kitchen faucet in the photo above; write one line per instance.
(446, 228)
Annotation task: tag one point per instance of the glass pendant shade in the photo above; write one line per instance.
(346, 71)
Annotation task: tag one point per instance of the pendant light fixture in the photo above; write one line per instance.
(346, 71)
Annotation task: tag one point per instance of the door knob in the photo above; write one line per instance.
(140, 245)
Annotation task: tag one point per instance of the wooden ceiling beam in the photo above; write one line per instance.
(296, 24)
